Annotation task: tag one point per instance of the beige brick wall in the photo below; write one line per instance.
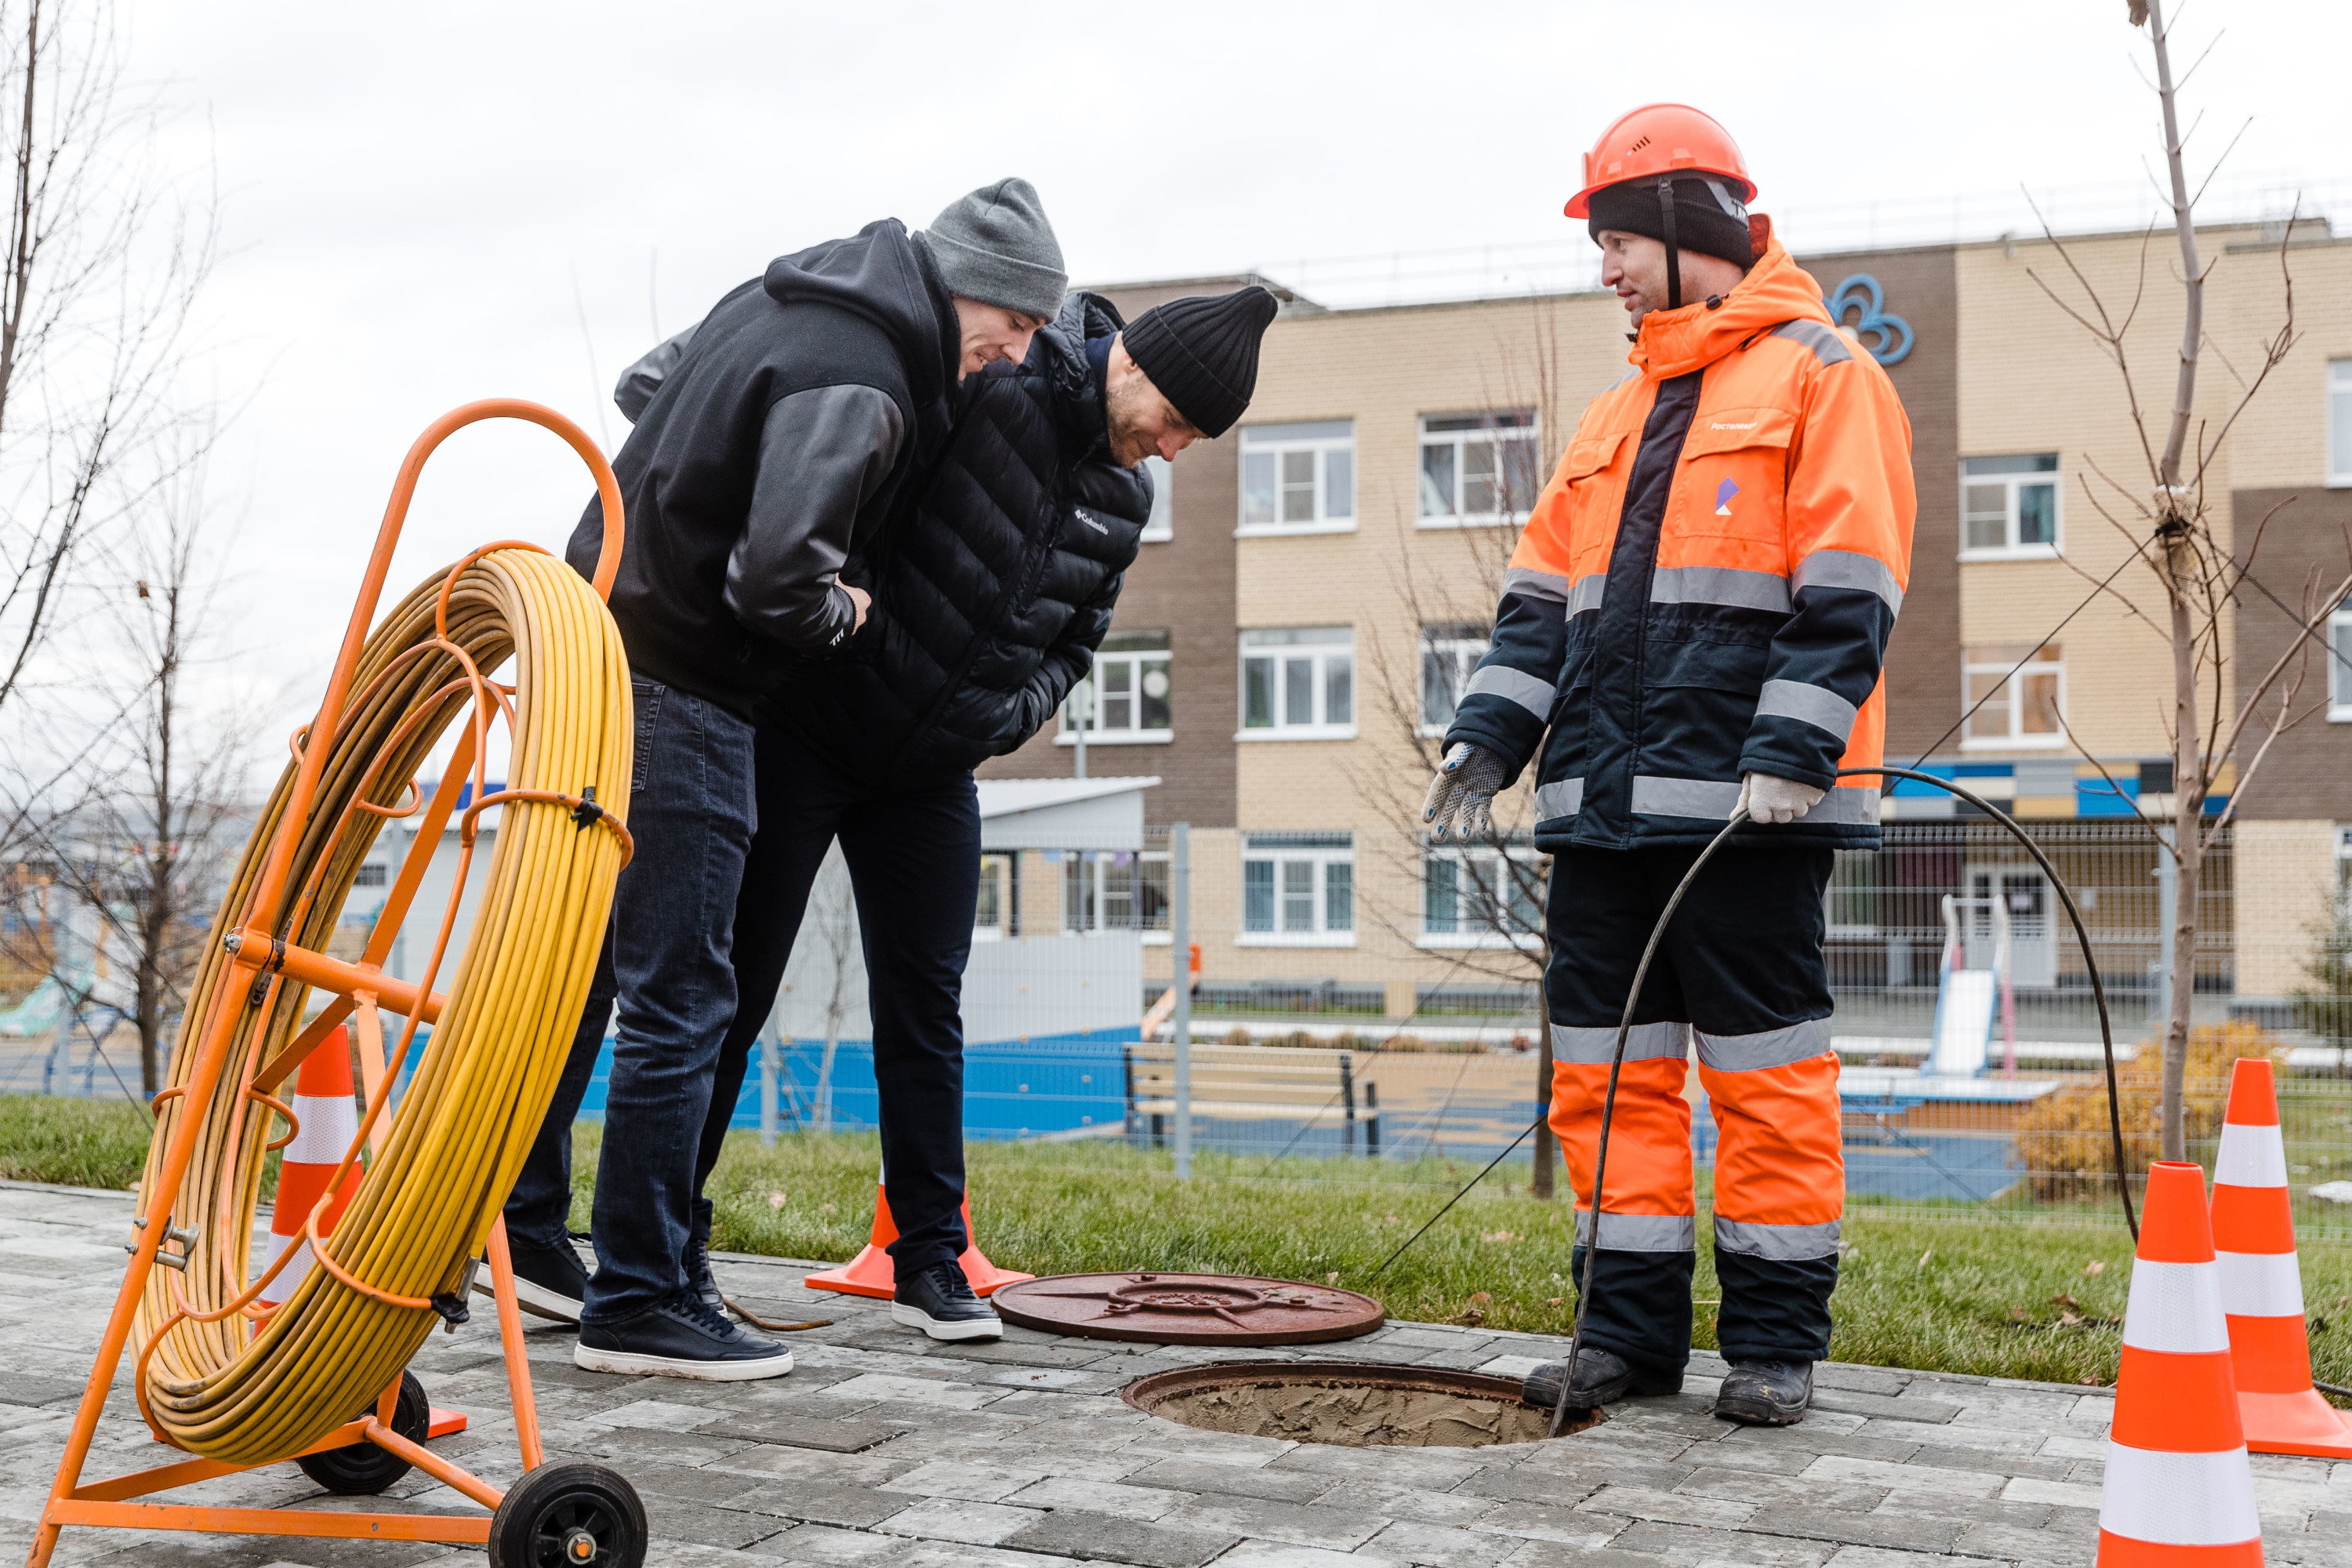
(2285, 876)
(1384, 369)
(2032, 380)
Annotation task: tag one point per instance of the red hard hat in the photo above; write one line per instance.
(1661, 138)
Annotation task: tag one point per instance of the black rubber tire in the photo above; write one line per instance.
(543, 1518)
(362, 1469)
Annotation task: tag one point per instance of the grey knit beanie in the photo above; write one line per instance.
(994, 246)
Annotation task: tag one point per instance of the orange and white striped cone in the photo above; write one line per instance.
(874, 1273)
(326, 1122)
(2262, 1280)
(2179, 1489)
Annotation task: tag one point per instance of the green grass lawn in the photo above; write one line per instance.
(1973, 1293)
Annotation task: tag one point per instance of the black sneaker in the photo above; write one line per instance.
(1766, 1393)
(698, 1278)
(1603, 1377)
(940, 1302)
(680, 1338)
(550, 1281)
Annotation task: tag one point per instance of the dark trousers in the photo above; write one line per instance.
(914, 866)
(1740, 973)
(668, 964)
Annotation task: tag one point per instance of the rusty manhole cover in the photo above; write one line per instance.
(1188, 1309)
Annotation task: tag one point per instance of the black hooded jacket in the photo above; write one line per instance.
(778, 441)
(994, 590)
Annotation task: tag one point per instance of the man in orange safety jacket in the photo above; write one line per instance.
(1692, 630)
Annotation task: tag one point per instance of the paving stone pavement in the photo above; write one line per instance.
(883, 1448)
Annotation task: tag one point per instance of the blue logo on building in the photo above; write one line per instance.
(1886, 336)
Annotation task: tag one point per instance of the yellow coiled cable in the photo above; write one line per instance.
(250, 1389)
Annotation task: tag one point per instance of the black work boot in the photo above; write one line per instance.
(940, 1302)
(1766, 1393)
(1603, 1377)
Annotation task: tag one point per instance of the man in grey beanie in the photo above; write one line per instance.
(772, 442)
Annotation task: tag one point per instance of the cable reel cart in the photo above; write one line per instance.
(221, 1375)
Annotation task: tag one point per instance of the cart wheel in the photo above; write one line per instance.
(569, 1516)
(362, 1469)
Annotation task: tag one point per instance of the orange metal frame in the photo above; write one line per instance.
(360, 987)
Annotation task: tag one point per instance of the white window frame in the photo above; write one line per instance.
(999, 868)
(1088, 873)
(1161, 526)
(1317, 854)
(2013, 693)
(1465, 646)
(2339, 422)
(1485, 935)
(2339, 677)
(2010, 483)
(1133, 663)
(1321, 437)
(1322, 648)
(1495, 435)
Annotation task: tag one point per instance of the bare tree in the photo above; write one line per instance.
(156, 830)
(2172, 533)
(1447, 585)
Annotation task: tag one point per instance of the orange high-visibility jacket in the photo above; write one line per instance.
(1706, 585)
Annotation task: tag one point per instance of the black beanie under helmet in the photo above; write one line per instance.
(1708, 216)
(1201, 351)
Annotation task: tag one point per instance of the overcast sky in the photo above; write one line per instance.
(421, 203)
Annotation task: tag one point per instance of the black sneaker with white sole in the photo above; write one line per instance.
(550, 1281)
(679, 1338)
(940, 1302)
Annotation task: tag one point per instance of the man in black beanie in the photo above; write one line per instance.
(987, 610)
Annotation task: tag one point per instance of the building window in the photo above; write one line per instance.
(2021, 709)
(2009, 506)
(1298, 888)
(374, 874)
(1299, 479)
(1477, 468)
(1127, 693)
(2339, 664)
(1449, 653)
(1162, 524)
(2339, 422)
(994, 917)
(1114, 889)
(1481, 897)
(1299, 685)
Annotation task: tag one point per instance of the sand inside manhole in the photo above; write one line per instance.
(1361, 1407)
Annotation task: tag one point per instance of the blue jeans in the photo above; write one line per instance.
(667, 960)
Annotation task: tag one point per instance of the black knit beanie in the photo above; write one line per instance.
(1709, 217)
(1201, 351)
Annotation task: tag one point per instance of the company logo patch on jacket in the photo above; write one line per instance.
(1723, 494)
(1090, 523)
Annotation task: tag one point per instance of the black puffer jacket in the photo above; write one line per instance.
(990, 597)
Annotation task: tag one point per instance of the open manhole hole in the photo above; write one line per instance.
(1351, 1404)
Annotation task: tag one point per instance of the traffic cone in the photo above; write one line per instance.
(326, 1122)
(872, 1273)
(2261, 1282)
(2179, 1490)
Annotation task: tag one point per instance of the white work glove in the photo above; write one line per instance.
(1462, 796)
(1765, 800)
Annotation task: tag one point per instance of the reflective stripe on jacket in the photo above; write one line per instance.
(1706, 586)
